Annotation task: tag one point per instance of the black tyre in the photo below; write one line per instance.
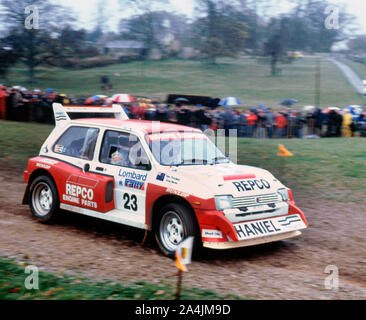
(43, 199)
(174, 223)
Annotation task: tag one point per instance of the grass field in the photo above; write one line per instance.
(245, 78)
(320, 169)
(63, 287)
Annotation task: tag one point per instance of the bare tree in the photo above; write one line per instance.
(32, 42)
(149, 27)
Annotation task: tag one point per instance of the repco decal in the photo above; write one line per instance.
(250, 185)
(79, 193)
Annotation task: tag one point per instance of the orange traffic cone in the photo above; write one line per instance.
(283, 152)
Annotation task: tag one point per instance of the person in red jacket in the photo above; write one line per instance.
(281, 123)
(2, 103)
(252, 119)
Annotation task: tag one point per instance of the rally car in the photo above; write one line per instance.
(163, 177)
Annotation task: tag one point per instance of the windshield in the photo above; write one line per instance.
(178, 148)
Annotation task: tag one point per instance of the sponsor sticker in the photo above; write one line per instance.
(132, 175)
(48, 161)
(81, 192)
(210, 233)
(59, 148)
(60, 115)
(160, 176)
(42, 165)
(252, 184)
(261, 228)
(129, 183)
(132, 179)
(172, 179)
(177, 192)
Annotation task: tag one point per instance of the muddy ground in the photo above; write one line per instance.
(291, 269)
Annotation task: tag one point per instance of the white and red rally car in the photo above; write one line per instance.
(163, 177)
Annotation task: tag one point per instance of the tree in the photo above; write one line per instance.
(100, 18)
(7, 58)
(278, 41)
(219, 33)
(146, 24)
(253, 13)
(308, 25)
(69, 46)
(155, 29)
(304, 29)
(32, 42)
(273, 47)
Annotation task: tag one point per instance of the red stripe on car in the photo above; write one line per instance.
(239, 176)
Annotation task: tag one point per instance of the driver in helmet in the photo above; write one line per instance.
(120, 157)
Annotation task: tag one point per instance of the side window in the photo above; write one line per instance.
(78, 142)
(125, 150)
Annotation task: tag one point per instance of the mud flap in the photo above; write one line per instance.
(25, 197)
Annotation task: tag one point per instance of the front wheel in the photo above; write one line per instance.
(43, 199)
(175, 223)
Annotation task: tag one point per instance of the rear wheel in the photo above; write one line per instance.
(174, 223)
(43, 199)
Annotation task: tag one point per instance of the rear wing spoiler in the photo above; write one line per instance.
(61, 112)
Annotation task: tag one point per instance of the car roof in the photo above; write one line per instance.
(144, 126)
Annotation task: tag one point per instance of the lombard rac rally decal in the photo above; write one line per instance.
(250, 185)
(80, 191)
(267, 227)
(132, 179)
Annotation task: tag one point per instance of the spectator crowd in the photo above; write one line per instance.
(20, 104)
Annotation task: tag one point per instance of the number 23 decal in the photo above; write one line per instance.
(130, 202)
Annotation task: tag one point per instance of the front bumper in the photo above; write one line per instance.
(219, 233)
(250, 242)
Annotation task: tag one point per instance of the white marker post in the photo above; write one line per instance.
(183, 255)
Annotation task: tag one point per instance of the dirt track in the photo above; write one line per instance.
(292, 269)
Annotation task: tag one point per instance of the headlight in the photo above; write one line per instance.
(223, 202)
(284, 194)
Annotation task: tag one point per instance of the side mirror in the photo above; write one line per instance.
(86, 167)
(143, 164)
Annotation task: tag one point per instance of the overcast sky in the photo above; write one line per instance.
(86, 10)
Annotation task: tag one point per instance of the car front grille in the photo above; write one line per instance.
(250, 201)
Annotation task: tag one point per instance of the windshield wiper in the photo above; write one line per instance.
(193, 161)
(216, 159)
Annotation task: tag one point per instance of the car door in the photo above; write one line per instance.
(77, 186)
(123, 156)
